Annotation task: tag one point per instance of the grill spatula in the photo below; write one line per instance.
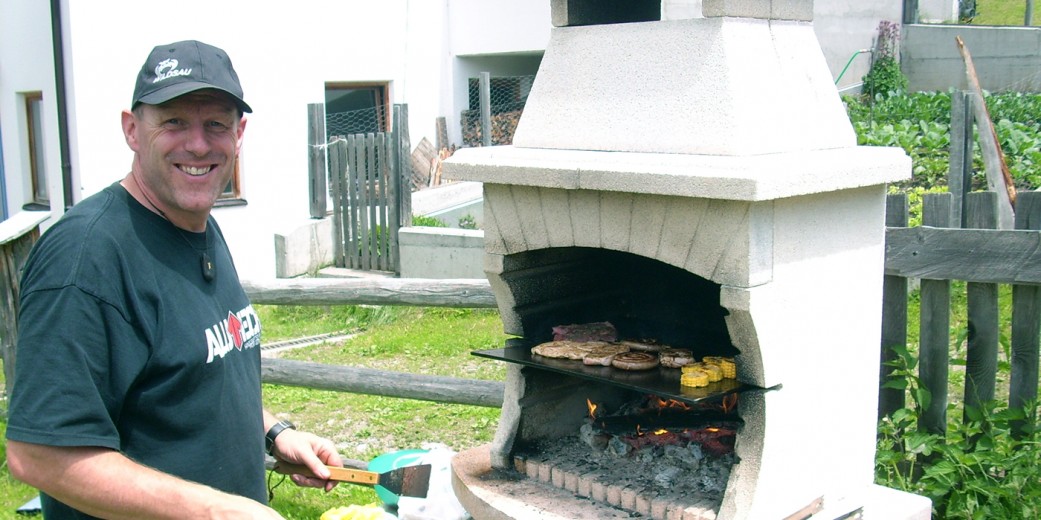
(410, 481)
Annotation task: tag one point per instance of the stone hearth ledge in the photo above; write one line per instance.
(744, 178)
(487, 497)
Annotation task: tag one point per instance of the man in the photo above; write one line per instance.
(137, 392)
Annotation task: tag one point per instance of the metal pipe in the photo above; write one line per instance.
(62, 108)
(850, 62)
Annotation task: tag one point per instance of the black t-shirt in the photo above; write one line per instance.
(123, 344)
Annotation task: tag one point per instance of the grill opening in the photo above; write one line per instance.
(642, 297)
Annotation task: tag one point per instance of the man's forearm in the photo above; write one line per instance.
(107, 484)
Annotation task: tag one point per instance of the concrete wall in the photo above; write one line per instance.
(305, 247)
(1005, 58)
(441, 252)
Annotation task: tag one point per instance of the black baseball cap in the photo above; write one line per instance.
(179, 68)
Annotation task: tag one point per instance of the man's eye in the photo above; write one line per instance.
(173, 122)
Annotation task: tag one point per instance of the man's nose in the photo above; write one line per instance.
(196, 140)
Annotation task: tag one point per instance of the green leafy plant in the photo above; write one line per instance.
(986, 466)
(884, 78)
(427, 221)
(467, 222)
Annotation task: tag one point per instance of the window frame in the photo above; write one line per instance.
(39, 194)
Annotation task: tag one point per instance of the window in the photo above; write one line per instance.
(231, 191)
(356, 108)
(39, 198)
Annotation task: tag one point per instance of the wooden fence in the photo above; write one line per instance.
(370, 177)
(984, 257)
(17, 236)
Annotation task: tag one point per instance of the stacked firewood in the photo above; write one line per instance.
(503, 126)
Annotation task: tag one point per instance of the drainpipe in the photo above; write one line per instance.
(60, 93)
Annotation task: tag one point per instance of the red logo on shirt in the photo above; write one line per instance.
(235, 330)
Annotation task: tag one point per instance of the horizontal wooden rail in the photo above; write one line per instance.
(461, 293)
(972, 255)
(359, 380)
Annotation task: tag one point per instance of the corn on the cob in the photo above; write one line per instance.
(694, 378)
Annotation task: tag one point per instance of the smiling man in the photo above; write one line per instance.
(137, 389)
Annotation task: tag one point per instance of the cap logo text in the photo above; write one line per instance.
(168, 69)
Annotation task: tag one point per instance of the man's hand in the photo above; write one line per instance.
(309, 450)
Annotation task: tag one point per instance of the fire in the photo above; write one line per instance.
(671, 403)
(592, 408)
(729, 403)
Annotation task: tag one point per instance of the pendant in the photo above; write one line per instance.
(209, 270)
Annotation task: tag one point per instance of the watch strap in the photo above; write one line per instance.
(278, 428)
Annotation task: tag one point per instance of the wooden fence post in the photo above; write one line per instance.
(894, 315)
(485, 98)
(316, 147)
(935, 326)
(338, 177)
(18, 235)
(981, 358)
(959, 174)
(404, 147)
(1026, 318)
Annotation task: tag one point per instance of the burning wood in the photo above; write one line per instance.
(662, 450)
(657, 422)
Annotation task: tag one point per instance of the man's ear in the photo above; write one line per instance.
(130, 129)
(241, 131)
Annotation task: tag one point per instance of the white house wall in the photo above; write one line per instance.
(844, 27)
(425, 49)
(25, 66)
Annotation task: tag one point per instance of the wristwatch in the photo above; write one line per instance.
(278, 428)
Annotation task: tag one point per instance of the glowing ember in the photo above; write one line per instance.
(729, 403)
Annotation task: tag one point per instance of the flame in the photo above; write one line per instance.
(672, 403)
(592, 408)
(729, 403)
(661, 431)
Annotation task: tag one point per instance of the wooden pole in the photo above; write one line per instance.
(999, 179)
(316, 148)
(981, 357)
(935, 327)
(464, 293)
(485, 96)
(894, 315)
(369, 381)
(1026, 323)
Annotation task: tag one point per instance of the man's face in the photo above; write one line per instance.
(185, 152)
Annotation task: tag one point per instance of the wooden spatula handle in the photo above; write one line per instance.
(340, 474)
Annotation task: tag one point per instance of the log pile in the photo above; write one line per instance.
(504, 125)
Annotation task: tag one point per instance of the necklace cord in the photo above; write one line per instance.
(209, 269)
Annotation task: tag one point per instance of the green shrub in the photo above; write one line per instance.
(427, 221)
(986, 466)
(467, 221)
(885, 78)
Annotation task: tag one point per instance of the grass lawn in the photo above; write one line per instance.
(407, 340)
(1005, 12)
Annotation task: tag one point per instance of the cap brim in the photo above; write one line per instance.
(179, 89)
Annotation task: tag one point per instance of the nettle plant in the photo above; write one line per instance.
(985, 465)
(885, 77)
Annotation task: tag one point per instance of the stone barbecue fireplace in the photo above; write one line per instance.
(696, 182)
